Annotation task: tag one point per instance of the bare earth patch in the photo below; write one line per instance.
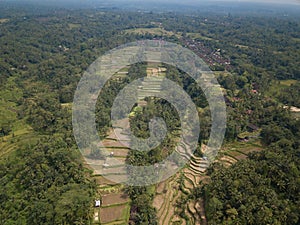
(158, 201)
(228, 159)
(103, 181)
(161, 187)
(112, 213)
(190, 176)
(295, 109)
(188, 184)
(4, 20)
(172, 208)
(108, 143)
(113, 199)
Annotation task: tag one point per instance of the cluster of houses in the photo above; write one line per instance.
(211, 57)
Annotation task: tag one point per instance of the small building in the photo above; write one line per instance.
(105, 165)
(97, 203)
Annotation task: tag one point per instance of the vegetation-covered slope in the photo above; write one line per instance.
(42, 57)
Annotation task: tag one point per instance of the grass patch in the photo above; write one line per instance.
(199, 36)
(151, 190)
(113, 215)
(67, 105)
(10, 143)
(288, 82)
(222, 73)
(21, 133)
(244, 148)
(242, 145)
(116, 223)
(238, 149)
(115, 205)
(10, 94)
(102, 180)
(74, 25)
(296, 39)
(152, 31)
(110, 188)
(277, 86)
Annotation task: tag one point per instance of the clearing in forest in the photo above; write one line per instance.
(4, 20)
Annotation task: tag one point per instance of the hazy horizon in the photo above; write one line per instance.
(187, 2)
(267, 7)
(208, 1)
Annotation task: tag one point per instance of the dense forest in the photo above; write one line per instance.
(43, 54)
(264, 189)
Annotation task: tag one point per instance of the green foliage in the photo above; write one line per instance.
(142, 211)
(290, 95)
(110, 92)
(44, 184)
(44, 54)
(263, 189)
(5, 129)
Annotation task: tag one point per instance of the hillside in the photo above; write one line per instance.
(44, 178)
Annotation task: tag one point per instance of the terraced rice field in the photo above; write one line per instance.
(115, 204)
(114, 214)
(168, 197)
(182, 184)
(169, 192)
